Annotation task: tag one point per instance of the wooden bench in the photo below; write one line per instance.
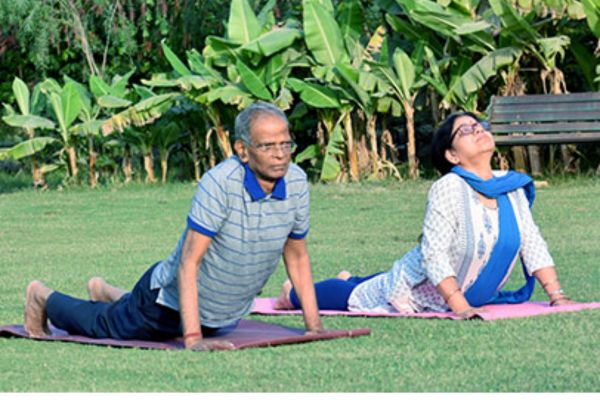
(545, 119)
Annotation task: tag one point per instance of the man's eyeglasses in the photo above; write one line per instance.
(285, 147)
(469, 129)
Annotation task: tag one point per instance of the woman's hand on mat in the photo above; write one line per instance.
(469, 313)
(563, 301)
(208, 345)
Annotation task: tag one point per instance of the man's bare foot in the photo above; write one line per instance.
(283, 301)
(99, 290)
(344, 275)
(36, 319)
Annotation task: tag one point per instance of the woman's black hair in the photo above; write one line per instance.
(442, 142)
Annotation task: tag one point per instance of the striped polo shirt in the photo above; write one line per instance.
(248, 229)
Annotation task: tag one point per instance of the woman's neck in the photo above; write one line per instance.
(482, 170)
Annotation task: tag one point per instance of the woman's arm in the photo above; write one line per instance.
(440, 229)
(548, 278)
(537, 258)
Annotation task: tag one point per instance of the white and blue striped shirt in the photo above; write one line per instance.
(248, 229)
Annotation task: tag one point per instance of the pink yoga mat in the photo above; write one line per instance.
(493, 312)
(248, 334)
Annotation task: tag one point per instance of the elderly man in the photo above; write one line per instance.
(246, 212)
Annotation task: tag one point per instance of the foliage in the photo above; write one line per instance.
(364, 82)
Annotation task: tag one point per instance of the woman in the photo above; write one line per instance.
(477, 223)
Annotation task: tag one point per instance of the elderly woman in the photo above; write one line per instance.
(477, 223)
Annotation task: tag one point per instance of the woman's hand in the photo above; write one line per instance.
(470, 313)
(562, 301)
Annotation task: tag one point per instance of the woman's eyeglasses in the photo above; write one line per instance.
(469, 129)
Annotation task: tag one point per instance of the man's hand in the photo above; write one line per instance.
(316, 331)
(297, 262)
(210, 345)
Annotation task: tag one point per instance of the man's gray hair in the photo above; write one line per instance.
(244, 120)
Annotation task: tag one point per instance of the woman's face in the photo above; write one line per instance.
(470, 142)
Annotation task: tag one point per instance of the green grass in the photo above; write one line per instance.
(66, 237)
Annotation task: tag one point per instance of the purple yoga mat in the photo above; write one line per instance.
(264, 306)
(248, 334)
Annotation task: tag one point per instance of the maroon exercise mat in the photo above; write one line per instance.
(264, 306)
(248, 334)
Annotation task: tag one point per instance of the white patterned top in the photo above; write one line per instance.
(459, 233)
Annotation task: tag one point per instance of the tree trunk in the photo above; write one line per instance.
(516, 87)
(37, 174)
(72, 154)
(164, 166)
(321, 135)
(223, 136)
(127, 168)
(89, 56)
(388, 140)
(413, 168)
(535, 160)
(149, 167)
(127, 164)
(435, 112)
(352, 156)
(372, 133)
(195, 157)
(92, 163)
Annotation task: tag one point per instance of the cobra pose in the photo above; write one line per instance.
(477, 224)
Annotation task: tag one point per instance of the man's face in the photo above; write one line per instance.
(269, 154)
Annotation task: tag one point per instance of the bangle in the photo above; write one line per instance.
(191, 335)
(557, 291)
(452, 294)
(549, 283)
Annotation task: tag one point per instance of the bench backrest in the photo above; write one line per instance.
(557, 118)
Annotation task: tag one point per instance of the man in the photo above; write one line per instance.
(246, 212)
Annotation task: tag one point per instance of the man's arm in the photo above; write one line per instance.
(194, 248)
(297, 263)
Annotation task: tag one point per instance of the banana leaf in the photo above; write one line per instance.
(28, 147)
(28, 121)
(314, 95)
(21, 92)
(243, 26)
(109, 101)
(253, 82)
(592, 13)
(175, 62)
(331, 166)
(351, 16)
(322, 34)
(273, 41)
(477, 75)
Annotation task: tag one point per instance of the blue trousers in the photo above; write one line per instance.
(136, 315)
(333, 294)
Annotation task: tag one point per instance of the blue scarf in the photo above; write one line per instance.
(486, 288)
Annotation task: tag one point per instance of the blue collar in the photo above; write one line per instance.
(254, 189)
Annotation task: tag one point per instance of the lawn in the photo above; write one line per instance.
(64, 238)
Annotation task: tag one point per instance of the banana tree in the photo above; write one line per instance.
(331, 115)
(165, 134)
(401, 76)
(29, 119)
(66, 105)
(323, 38)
